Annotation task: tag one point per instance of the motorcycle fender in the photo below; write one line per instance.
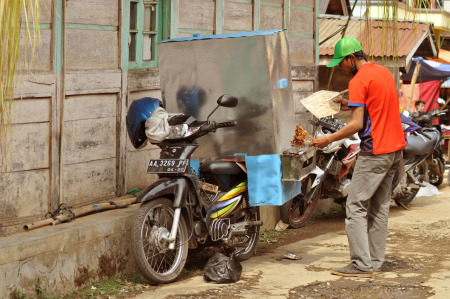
(176, 187)
(318, 172)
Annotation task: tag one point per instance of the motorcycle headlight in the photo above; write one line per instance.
(181, 131)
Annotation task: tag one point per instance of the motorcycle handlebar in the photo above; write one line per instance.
(227, 124)
(211, 127)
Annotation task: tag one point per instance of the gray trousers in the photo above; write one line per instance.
(367, 210)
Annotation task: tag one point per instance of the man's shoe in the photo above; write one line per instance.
(376, 270)
(351, 271)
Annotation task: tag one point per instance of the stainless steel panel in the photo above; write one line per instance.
(195, 73)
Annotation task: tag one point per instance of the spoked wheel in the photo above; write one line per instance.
(436, 178)
(419, 173)
(150, 230)
(297, 211)
(251, 236)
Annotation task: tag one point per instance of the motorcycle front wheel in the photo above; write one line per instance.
(152, 225)
(297, 211)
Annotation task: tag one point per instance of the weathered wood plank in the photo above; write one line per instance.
(301, 21)
(91, 49)
(45, 11)
(30, 111)
(85, 182)
(196, 14)
(156, 93)
(302, 72)
(136, 168)
(42, 53)
(82, 82)
(303, 3)
(36, 85)
(143, 81)
(271, 18)
(238, 16)
(24, 194)
(278, 2)
(90, 106)
(88, 140)
(98, 12)
(31, 147)
(122, 137)
(302, 50)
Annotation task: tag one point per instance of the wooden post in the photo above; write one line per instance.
(442, 108)
(413, 82)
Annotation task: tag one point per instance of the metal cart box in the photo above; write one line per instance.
(254, 67)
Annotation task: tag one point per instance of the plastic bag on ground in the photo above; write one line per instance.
(222, 269)
(428, 190)
(157, 126)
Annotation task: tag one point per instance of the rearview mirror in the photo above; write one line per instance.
(227, 100)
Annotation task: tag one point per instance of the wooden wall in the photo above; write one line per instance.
(69, 138)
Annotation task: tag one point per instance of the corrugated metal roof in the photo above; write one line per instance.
(409, 35)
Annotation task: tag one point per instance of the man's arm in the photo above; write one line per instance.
(355, 125)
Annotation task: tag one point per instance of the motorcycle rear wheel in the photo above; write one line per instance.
(251, 236)
(152, 222)
(437, 179)
(297, 211)
(419, 172)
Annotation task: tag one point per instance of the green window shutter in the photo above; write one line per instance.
(145, 24)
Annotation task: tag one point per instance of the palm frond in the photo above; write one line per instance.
(14, 13)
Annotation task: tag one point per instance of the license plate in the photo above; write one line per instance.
(167, 165)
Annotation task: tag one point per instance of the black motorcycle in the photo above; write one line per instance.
(436, 161)
(422, 162)
(192, 205)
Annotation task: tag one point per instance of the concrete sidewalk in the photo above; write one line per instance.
(68, 256)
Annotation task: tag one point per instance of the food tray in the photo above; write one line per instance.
(294, 165)
(320, 103)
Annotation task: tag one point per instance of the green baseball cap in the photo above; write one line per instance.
(345, 46)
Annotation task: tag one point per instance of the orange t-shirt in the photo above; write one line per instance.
(373, 88)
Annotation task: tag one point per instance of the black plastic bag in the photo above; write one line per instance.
(222, 269)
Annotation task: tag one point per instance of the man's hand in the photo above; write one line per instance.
(321, 141)
(344, 103)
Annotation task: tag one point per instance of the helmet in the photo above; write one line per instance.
(345, 46)
(139, 111)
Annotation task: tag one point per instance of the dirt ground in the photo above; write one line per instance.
(417, 261)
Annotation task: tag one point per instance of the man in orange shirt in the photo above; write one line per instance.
(374, 103)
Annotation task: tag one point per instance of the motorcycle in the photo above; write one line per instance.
(422, 159)
(329, 179)
(436, 162)
(190, 206)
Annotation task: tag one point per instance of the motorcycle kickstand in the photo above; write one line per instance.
(402, 205)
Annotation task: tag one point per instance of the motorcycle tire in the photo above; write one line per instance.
(253, 236)
(151, 254)
(297, 212)
(419, 171)
(437, 179)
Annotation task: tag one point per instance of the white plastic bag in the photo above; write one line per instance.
(428, 190)
(157, 126)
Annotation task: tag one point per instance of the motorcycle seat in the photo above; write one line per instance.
(221, 167)
(420, 145)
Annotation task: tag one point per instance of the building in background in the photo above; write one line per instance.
(70, 143)
(435, 12)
